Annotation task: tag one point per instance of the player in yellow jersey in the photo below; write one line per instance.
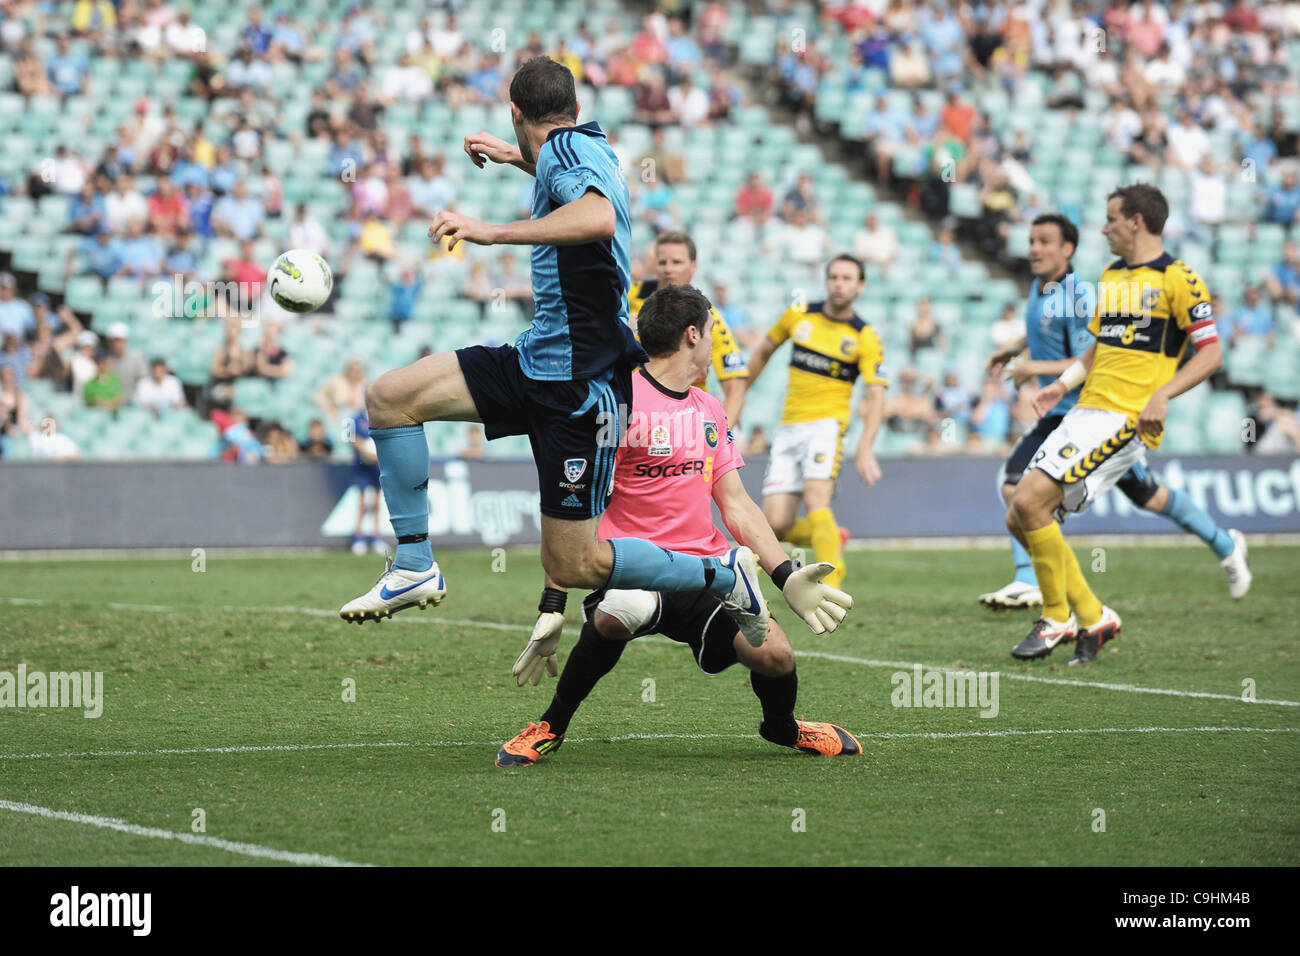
(833, 348)
(675, 265)
(1149, 306)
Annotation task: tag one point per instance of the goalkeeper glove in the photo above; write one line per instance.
(821, 606)
(539, 654)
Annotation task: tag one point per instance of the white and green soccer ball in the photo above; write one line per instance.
(300, 281)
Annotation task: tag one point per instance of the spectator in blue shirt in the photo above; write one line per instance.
(402, 296)
(181, 260)
(142, 253)
(238, 214)
(344, 155)
(103, 256)
(945, 41)
(431, 191)
(224, 174)
(16, 316)
(1283, 280)
(199, 199)
(287, 36)
(1253, 318)
(254, 35)
(1282, 202)
(66, 70)
(87, 212)
(245, 72)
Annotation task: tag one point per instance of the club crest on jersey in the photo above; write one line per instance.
(1150, 299)
(711, 434)
(847, 345)
(1069, 451)
(574, 468)
(660, 444)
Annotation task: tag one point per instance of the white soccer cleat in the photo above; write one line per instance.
(1235, 566)
(746, 603)
(379, 546)
(396, 590)
(359, 546)
(1017, 594)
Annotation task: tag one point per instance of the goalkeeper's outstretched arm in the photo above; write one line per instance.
(821, 606)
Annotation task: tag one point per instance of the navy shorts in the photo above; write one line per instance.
(574, 427)
(365, 475)
(1018, 461)
(694, 618)
(1138, 484)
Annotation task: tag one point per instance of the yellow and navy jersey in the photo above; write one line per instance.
(1144, 318)
(728, 363)
(829, 356)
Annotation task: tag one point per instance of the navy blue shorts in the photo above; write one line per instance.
(1020, 456)
(1138, 484)
(574, 427)
(365, 475)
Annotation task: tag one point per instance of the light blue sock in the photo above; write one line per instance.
(1024, 564)
(1183, 511)
(404, 474)
(640, 565)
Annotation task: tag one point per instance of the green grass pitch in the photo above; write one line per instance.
(248, 654)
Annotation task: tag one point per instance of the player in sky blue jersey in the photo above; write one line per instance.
(565, 383)
(1056, 333)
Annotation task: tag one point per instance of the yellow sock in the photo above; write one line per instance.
(1085, 603)
(1048, 550)
(800, 533)
(826, 542)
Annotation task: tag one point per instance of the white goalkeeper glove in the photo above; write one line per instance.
(539, 655)
(821, 606)
(540, 652)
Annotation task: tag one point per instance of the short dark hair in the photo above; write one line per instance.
(845, 257)
(666, 315)
(676, 237)
(543, 90)
(1145, 200)
(1069, 231)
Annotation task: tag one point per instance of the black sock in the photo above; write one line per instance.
(777, 696)
(592, 658)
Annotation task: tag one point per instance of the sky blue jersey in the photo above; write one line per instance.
(1056, 327)
(580, 324)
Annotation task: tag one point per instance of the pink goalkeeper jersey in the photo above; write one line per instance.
(677, 445)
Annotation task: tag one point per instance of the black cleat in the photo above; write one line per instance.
(1043, 638)
(1093, 639)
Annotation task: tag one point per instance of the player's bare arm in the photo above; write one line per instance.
(1008, 352)
(1207, 360)
(872, 411)
(758, 361)
(589, 219)
(1047, 398)
(1022, 371)
(744, 519)
(481, 147)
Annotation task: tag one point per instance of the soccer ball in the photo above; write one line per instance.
(300, 281)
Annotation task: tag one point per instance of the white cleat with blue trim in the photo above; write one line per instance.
(746, 603)
(396, 590)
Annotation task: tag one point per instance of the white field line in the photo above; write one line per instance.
(195, 839)
(418, 744)
(526, 629)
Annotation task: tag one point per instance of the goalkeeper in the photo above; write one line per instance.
(676, 460)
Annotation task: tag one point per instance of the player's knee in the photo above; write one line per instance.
(382, 397)
(776, 657)
(607, 625)
(626, 612)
